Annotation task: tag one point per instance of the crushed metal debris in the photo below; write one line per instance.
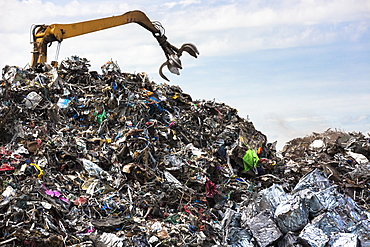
(113, 159)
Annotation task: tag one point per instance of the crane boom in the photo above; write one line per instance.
(43, 35)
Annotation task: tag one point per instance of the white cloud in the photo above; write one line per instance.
(217, 29)
(170, 4)
(354, 118)
(183, 3)
(243, 26)
(246, 14)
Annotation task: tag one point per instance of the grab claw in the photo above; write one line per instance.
(189, 48)
(171, 68)
(174, 63)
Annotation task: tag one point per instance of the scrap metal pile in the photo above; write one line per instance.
(114, 159)
(344, 157)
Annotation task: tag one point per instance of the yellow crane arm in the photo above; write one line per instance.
(43, 35)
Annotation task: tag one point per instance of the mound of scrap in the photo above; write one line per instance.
(114, 159)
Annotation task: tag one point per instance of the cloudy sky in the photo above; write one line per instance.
(292, 67)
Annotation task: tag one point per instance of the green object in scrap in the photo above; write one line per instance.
(250, 160)
(174, 219)
(100, 117)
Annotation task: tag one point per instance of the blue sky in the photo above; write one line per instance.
(292, 67)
